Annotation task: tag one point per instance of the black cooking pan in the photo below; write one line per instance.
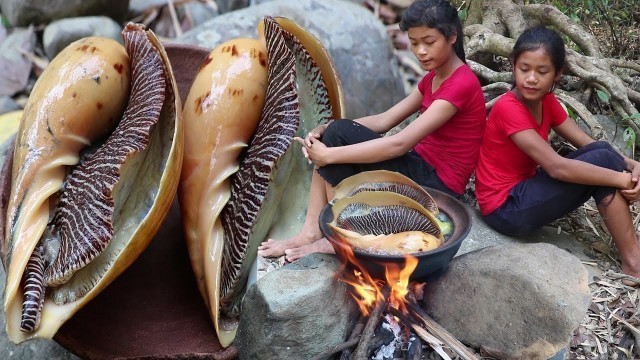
(428, 261)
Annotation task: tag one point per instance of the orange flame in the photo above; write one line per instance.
(398, 280)
(367, 291)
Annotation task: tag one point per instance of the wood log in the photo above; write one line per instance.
(361, 350)
(355, 334)
(440, 332)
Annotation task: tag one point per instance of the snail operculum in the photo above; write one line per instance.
(77, 217)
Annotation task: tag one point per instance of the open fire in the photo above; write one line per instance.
(394, 299)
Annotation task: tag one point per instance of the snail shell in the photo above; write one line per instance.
(230, 194)
(385, 221)
(384, 180)
(101, 206)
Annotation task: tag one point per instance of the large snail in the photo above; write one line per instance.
(96, 166)
(242, 179)
(385, 212)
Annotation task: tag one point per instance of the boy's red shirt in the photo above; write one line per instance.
(453, 148)
(502, 164)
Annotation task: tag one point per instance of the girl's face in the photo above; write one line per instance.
(534, 74)
(430, 47)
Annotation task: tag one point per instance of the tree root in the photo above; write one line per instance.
(494, 30)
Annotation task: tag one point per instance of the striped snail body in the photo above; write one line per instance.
(95, 168)
(252, 182)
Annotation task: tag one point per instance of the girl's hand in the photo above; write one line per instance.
(317, 152)
(314, 134)
(633, 194)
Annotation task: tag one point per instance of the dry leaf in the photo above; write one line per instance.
(602, 247)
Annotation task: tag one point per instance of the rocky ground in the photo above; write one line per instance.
(610, 329)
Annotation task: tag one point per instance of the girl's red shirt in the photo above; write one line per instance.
(502, 164)
(453, 148)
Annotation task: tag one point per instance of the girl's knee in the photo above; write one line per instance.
(331, 135)
(600, 145)
(603, 157)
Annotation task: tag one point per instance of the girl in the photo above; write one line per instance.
(515, 195)
(439, 149)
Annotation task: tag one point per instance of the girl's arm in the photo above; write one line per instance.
(578, 138)
(386, 147)
(569, 170)
(379, 123)
(383, 122)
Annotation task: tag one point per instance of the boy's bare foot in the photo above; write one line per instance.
(276, 248)
(320, 246)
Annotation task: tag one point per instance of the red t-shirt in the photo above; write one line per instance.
(453, 148)
(502, 164)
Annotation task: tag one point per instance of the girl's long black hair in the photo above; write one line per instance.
(439, 15)
(540, 37)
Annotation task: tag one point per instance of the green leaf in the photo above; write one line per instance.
(462, 14)
(604, 97)
(633, 116)
(629, 137)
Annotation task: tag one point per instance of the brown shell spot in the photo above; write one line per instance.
(255, 98)
(262, 58)
(74, 94)
(231, 49)
(235, 92)
(200, 102)
(83, 48)
(94, 49)
(119, 68)
(99, 106)
(205, 62)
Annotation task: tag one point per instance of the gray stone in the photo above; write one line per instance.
(25, 12)
(521, 301)
(15, 68)
(61, 33)
(225, 6)
(198, 13)
(359, 2)
(296, 312)
(7, 105)
(481, 236)
(138, 6)
(355, 39)
(613, 128)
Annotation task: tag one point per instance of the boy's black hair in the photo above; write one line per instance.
(439, 15)
(541, 37)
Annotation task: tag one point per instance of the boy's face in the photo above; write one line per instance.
(430, 46)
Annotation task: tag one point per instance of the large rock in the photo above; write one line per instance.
(25, 12)
(296, 312)
(356, 40)
(61, 33)
(519, 301)
(14, 66)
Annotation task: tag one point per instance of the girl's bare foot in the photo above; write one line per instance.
(276, 248)
(627, 270)
(320, 246)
